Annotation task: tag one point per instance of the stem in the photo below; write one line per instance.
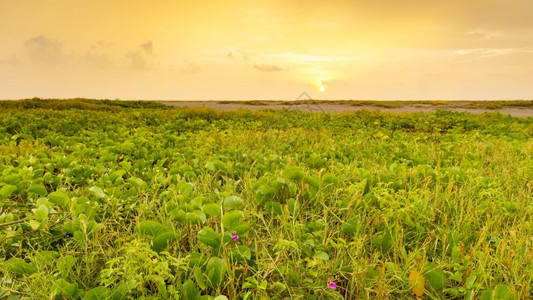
(12, 223)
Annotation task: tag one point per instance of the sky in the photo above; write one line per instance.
(259, 50)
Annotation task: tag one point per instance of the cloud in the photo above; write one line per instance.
(143, 60)
(244, 58)
(12, 60)
(189, 67)
(148, 47)
(96, 56)
(97, 60)
(137, 61)
(44, 50)
(268, 68)
(239, 56)
(484, 53)
(480, 33)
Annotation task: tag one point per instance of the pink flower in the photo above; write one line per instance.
(234, 237)
(332, 285)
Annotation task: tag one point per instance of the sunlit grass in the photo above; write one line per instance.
(365, 200)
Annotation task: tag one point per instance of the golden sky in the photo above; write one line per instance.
(276, 49)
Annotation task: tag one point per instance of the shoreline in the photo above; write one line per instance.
(340, 107)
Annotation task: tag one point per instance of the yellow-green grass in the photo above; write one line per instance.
(99, 203)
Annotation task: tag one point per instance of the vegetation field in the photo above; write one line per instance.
(120, 200)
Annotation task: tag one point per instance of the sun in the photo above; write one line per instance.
(322, 88)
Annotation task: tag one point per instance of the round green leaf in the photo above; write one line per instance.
(38, 189)
(232, 218)
(190, 291)
(211, 209)
(232, 202)
(152, 228)
(294, 173)
(160, 242)
(215, 271)
(98, 293)
(97, 192)
(7, 190)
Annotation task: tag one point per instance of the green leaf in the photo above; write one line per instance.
(221, 297)
(97, 192)
(322, 256)
(232, 218)
(210, 166)
(487, 295)
(232, 202)
(350, 227)
(41, 213)
(503, 292)
(119, 292)
(199, 277)
(457, 276)
(273, 207)
(212, 209)
(152, 228)
(240, 253)
(210, 238)
(215, 271)
(469, 295)
(161, 241)
(263, 285)
(293, 206)
(285, 244)
(18, 266)
(387, 241)
(44, 258)
(7, 190)
(329, 178)
(456, 253)
(65, 288)
(79, 236)
(452, 291)
(125, 165)
(436, 277)
(34, 224)
(195, 217)
(38, 189)
(241, 228)
(383, 241)
(391, 267)
(312, 181)
(190, 291)
(278, 286)
(248, 285)
(65, 264)
(178, 215)
(469, 282)
(12, 179)
(59, 198)
(500, 292)
(294, 173)
(136, 182)
(98, 293)
(294, 278)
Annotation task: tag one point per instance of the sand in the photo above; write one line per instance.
(344, 107)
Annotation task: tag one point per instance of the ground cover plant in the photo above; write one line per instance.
(114, 202)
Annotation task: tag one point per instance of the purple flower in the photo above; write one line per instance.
(386, 295)
(234, 236)
(332, 285)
